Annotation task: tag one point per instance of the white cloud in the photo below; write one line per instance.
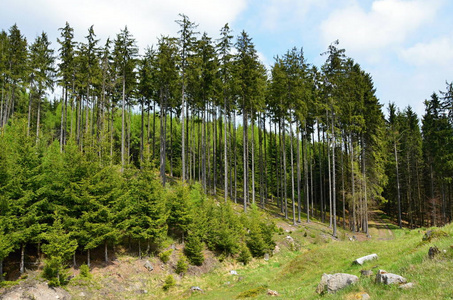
(146, 20)
(437, 53)
(387, 23)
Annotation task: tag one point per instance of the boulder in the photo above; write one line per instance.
(148, 266)
(389, 278)
(331, 283)
(366, 258)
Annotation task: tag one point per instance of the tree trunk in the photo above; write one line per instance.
(106, 253)
(334, 191)
(162, 138)
(29, 112)
(88, 258)
(225, 145)
(123, 105)
(292, 176)
(245, 158)
(299, 179)
(38, 117)
(398, 191)
(253, 158)
(22, 259)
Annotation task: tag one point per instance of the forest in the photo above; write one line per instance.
(101, 146)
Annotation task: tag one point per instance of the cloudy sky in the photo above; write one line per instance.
(406, 45)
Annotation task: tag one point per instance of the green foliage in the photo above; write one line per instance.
(259, 238)
(169, 282)
(59, 249)
(244, 256)
(85, 272)
(182, 265)
(252, 292)
(165, 255)
(193, 249)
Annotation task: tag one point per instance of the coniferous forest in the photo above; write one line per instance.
(101, 146)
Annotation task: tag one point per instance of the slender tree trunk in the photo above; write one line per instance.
(1, 267)
(353, 187)
(162, 138)
(299, 179)
(29, 112)
(142, 133)
(253, 158)
(244, 146)
(398, 191)
(292, 176)
(284, 171)
(225, 145)
(106, 253)
(38, 117)
(334, 198)
(88, 258)
(123, 105)
(22, 259)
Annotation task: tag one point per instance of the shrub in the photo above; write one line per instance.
(194, 250)
(165, 255)
(244, 255)
(85, 271)
(169, 282)
(182, 265)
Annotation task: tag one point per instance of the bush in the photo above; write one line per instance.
(169, 282)
(85, 271)
(194, 250)
(182, 265)
(244, 255)
(165, 256)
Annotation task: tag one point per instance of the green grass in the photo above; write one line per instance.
(296, 274)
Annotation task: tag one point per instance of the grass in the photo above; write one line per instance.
(296, 274)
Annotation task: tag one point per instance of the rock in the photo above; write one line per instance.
(290, 238)
(366, 273)
(364, 296)
(389, 278)
(148, 266)
(272, 293)
(276, 250)
(266, 256)
(433, 252)
(81, 294)
(406, 286)
(233, 272)
(362, 260)
(196, 289)
(331, 283)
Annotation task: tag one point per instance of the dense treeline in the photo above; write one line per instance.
(95, 165)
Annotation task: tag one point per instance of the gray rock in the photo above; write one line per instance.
(196, 289)
(363, 296)
(233, 272)
(366, 273)
(266, 256)
(148, 266)
(389, 278)
(331, 283)
(407, 286)
(276, 250)
(362, 260)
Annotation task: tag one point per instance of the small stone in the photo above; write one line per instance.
(366, 273)
(276, 250)
(148, 266)
(363, 296)
(196, 289)
(272, 293)
(266, 256)
(233, 272)
(408, 285)
(81, 294)
(433, 252)
(389, 278)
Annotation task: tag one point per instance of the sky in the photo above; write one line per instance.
(406, 45)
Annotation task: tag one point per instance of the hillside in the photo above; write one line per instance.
(303, 253)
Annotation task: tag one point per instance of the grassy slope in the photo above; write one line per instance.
(295, 274)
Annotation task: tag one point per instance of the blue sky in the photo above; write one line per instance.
(406, 45)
